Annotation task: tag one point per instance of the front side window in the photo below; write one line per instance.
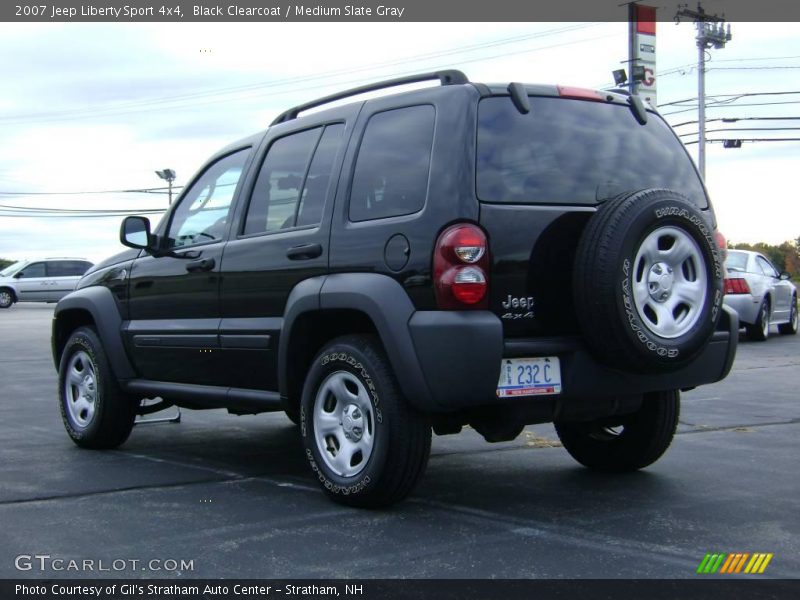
(205, 209)
(33, 270)
(393, 164)
(766, 267)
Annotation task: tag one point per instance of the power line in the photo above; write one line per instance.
(159, 190)
(743, 129)
(734, 119)
(749, 140)
(677, 112)
(78, 210)
(115, 110)
(734, 96)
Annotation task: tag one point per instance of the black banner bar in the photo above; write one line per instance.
(373, 10)
(438, 589)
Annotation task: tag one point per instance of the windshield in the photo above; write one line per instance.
(737, 261)
(11, 269)
(576, 152)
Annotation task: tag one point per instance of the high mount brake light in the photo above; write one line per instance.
(580, 93)
(460, 268)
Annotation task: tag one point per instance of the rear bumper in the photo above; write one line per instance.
(460, 353)
(745, 305)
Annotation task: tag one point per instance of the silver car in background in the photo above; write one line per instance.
(45, 280)
(760, 294)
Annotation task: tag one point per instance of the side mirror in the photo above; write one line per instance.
(785, 276)
(135, 233)
(19, 274)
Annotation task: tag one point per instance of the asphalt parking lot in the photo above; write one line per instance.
(234, 494)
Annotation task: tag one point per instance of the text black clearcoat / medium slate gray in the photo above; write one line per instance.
(231, 299)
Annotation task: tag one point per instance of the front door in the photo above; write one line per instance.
(32, 283)
(174, 297)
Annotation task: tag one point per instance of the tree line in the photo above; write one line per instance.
(785, 257)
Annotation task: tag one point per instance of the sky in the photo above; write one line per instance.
(99, 107)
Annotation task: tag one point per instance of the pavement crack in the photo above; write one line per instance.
(740, 427)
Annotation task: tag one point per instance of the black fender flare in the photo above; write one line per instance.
(384, 301)
(100, 304)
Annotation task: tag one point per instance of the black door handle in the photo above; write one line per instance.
(204, 264)
(304, 252)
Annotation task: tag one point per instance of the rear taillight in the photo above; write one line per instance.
(722, 243)
(461, 267)
(736, 285)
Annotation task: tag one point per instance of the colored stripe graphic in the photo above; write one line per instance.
(765, 563)
(735, 562)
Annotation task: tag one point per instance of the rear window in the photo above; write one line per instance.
(576, 152)
(736, 261)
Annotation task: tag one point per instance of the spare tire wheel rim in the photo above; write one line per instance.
(670, 282)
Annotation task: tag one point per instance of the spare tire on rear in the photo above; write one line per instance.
(648, 281)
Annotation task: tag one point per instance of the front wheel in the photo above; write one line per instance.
(790, 328)
(364, 443)
(625, 442)
(95, 412)
(6, 298)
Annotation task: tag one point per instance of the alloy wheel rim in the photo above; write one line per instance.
(80, 389)
(344, 427)
(5, 298)
(765, 320)
(669, 282)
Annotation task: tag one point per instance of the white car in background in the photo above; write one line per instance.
(45, 280)
(760, 294)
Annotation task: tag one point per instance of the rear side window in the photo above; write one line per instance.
(393, 165)
(293, 182)
(67, 268)
(576, 152)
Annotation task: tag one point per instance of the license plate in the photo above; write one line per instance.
(529, 377)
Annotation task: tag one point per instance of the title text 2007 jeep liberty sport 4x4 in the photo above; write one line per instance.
(460, 254)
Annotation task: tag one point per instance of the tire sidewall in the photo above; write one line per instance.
(345, 357)
(669, 209)
(82, 340)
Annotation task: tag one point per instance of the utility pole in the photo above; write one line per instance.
(167, 175)
(711, 33)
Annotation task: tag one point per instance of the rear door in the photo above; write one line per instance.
(174, 298)
(64, 276)
(281, 237)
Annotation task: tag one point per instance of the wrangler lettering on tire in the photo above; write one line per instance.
(648, 281)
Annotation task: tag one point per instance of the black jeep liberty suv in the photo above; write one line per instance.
(490, 255)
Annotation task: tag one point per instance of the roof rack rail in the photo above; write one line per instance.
(446, 77)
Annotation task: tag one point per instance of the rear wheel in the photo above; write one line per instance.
(365, 444)
(790, 328)
(625, 442)
(759, 331)
(95, 412)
